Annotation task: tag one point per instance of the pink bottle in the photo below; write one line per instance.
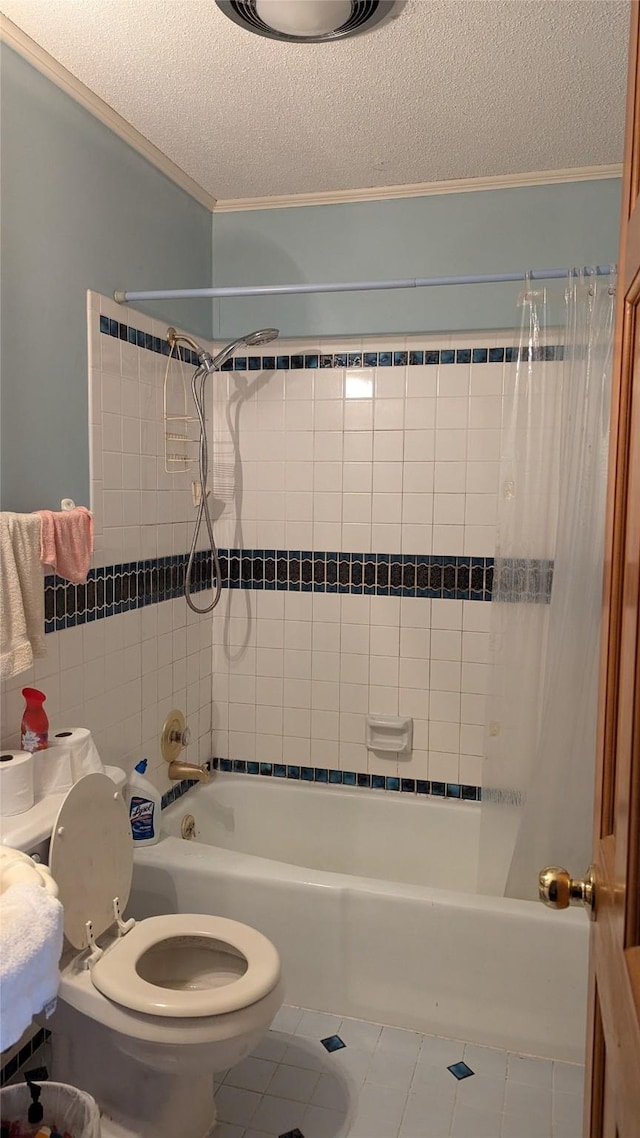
(34, 730)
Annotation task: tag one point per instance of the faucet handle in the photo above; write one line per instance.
(175, 735)
(182, 737)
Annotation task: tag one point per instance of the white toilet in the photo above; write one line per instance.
(147, 1011)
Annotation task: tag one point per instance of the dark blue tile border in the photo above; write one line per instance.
(327, 777)
(378, 574)
(313, 360)
(23, 1056)
(114, 589)
(452, 790)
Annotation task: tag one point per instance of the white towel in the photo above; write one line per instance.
(21, 593)
(31, 923)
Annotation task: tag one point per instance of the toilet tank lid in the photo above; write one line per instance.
(91, 856)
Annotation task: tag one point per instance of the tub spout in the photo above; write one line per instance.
(179, 770)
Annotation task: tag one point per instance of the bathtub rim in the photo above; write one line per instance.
(170, 852)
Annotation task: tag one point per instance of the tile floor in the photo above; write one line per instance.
(389, 1083)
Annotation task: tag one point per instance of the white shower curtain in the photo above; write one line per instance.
(538, 775)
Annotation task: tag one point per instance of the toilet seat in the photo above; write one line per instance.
(179, 966)
(117, 973)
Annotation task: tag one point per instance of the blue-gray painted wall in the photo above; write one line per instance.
(80, 210)
(491, 231)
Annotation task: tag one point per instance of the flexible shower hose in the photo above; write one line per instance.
(203, 505)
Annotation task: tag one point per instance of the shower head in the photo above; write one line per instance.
(211, 364)
(262, 336)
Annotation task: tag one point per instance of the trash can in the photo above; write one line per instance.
(66, 1109)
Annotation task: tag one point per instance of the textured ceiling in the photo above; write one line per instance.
(450, 89)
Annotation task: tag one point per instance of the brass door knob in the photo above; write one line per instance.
(558, 890)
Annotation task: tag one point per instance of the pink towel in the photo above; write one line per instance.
(66, 542)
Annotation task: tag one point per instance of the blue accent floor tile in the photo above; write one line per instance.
(333, 1043)
(460, 1070)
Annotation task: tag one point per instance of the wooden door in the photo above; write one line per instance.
(612, 1108)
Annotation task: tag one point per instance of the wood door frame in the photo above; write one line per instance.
(613, 1050)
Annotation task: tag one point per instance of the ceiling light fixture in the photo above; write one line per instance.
(309, 21)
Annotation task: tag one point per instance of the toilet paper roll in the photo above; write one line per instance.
(83, 752)
(51, 771)
(16, 782)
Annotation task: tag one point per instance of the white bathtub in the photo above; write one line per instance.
(369, 898)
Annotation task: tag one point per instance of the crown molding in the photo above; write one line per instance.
(15, 38)
(420, 189)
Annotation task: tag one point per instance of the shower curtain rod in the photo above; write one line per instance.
(122, 296)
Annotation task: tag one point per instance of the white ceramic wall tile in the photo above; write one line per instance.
(391, 459)
(121, 676)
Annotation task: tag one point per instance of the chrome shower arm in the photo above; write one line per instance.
(205, 358)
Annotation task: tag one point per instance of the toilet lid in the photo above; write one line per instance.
(91, 856)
